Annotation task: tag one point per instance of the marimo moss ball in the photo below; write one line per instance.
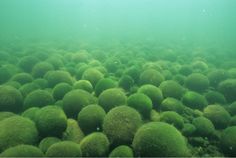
(95, 145)
(104, 84)
(51, 121)
(122, 151)
(27, 63)
(22, 78)
(158, 139)
(197, 82)
(194, 100)
(64, 149)
(228, 89)
(111, 98)
(46, 142)
(172, 89)
(126, 82)
(120, 124)
(142, 103)
(60, 90)
(91, 117)
(172, 104)
(41, 68)
(151, 76)
(228, 141)
(218, 116)
(84, 85)
(22, 151)
(92, 75)
(10, 99)
(31, 113)
(5, 114)
(172, 118)
(204, 127)
(38, 98)
(232, 109)
(28, 88)
(216, 76)
(17, 130)
(214, 97)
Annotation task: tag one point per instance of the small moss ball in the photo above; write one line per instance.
(151, 76)
(22, 151)
(204, 127)
(51, 121)
(142, 103)
(31, 113)
(46, 142)
(214, 97)
(22, 78)
(21, 131)
(5, 114)
(84, 85)
(91, 117)
(228, 89)
(153, 92)
(172, 118)
(27, 63)
(41, 68)
(216, 76)
(188, 129)
(194, 100)
(228, 141)
(38, 98)
(197, 82)
(120, 124)
(95, 145)
(103, 84)
(10, 99)
(218, 116)
(126, 82)
(28, 88)
(159, 139)
(122, 151)
(92, 75)
(64, 149)
(172, 104)
(75, 100)
(60, 90)
(5, 74)
(172, 89)
(232, 108)
(111, 98)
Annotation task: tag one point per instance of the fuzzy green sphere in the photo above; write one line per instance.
(46, 142)
(122, 151)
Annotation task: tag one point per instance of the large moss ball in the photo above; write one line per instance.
(92, 75)
(172, 118)
(204, 127)
(216, 76)
(122, 151)
(120, 125)
(27, 63)
(41, 68)
(172, 89)
(228, 141)
(75, 100)
(28, 88)
(60, 90)
(194, 100)
(84, 85)
(158, 139)
(151, 76)
(22, 78)
(31, 113)
(214, 97)
(228, 89)
(104, 84)
(95, 145)
(172, 104)
(46, 142)
(17, 130)
(10, 99)
(111, 98)
(197, 82)
(51, 121)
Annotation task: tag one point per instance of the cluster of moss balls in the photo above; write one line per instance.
(130, 102)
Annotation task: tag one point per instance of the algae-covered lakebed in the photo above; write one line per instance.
(116, 78)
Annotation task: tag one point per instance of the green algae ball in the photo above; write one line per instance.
(197, 82)
(188, 129)
(120, 124)
(5, 74)
(218, 116)
(27, 63)
(91, 117)
(111, 98)
(95, 145)
(194, 100)
(228, 89)
(10, 99)
(214, 97)
(103, 84)
(41, 82)
(172, 104)
(46, 142)
(75, 100)
(158, 139)
(28, 88)
(151, 76)
(204, 127)
(122, 151)
(142, 103)
(22, 78)
(232, 108)
(31, 113)
(51, 121)
(41, 68)
(216, 76)
(84, 85)
(38, 98)
(126, 82)
(228, 141)
(172, 89)
(153, 92)
(5, 114)
(60, 90)
(22, 151)
(92, 75)
(64, 149)
(172, 118)
(17, 130)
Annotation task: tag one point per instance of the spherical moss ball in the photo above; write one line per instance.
(41, 82)
(228, 141)
(51, 121)
(4, 115)
(199, 66)
(232, 108)
(151, 76)
(179, 79)
(56, 61)
(134, 72)
(188, 129)
(142, 103)
(172, 89)
(5, 74)
(126, 82)
(194, 100)
(27, 63)
(197, 82)
(204, 127)
(214, 97)
(172, 118)
(185, 70)
(31, 113)
(75, 100)
(233, 121)
(22, 151)
(41, 68)
(153, 92)
(64, 149)
(60, 90)
(218, 116)
(21, 131)
(28, 88)
(92, 75)
(91, 117)
(22, 78)
(216, 76)
(10, 99)
(228, 88)
(111, 98)
(38, 98)
(122, 151)
(58, 76)
(84, 85)
(158, 139)
(104, 84)
(95, 145)
(120, 125)
(46, 142)
(172, 104)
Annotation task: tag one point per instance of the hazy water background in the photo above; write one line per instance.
(200, 21)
